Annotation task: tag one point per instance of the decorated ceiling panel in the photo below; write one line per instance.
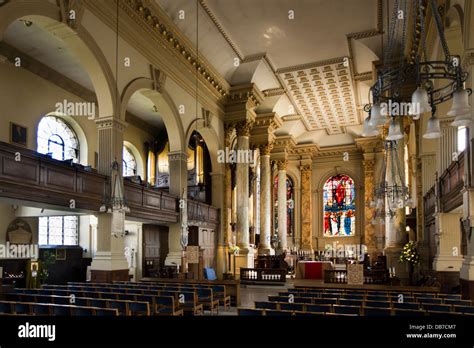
(324, 95)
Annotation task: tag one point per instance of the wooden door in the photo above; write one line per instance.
(155, 249)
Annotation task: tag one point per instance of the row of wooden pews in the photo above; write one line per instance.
(129, 298)
(347, 302)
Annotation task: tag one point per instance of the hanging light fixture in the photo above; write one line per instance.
(369, 130)
(433, 130)
(460, 108)
(419, 100)
(392, 193)
(394, 132)
(437, 81)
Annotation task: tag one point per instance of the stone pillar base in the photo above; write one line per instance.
(101, 276)
(244, 259)
(266, 251)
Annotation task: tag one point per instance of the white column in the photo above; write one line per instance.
(245, 257)
(265, 201)
(467, 269)
(109, 262)
(179, 188)
(282, 205)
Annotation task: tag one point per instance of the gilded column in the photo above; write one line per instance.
(282, 204)
(265, 200)
(306, 209)
(243, 133)
(369, 181)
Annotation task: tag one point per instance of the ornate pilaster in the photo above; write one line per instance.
(369, 182)
(282, 204)
(306, 208)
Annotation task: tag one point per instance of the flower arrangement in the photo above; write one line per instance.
(234, 249)
(410, 253)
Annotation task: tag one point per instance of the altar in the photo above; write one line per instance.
(312, 269)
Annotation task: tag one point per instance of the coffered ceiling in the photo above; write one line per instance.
(319, 51)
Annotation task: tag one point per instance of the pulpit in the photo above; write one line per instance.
(192, 263)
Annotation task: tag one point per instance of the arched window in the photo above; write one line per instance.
(339, 206)
(129, 162)
(290, 204)
(56, 138)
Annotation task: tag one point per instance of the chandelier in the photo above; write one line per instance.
(115, 202)
(437, 81)
(392, 193)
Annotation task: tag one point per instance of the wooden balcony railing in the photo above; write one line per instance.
(450, 184)
(150, 203)
(429, 203)
(269, 275)
(201, 213)
(29, 176)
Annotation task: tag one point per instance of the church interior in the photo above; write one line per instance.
(236, 158)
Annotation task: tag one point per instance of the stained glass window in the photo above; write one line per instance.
(339, 206)
(129, 163)
(58, 230)
(56, 137)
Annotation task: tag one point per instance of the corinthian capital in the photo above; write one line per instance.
(243, 128)
(281, 164)
(265, 149)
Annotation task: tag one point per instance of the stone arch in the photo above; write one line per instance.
(170, 115)
(81, 135)
(212, 142)
(138, 158)
(44, 13)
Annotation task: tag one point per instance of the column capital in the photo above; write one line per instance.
(177, 156)
(306, 168)
(243, 128)
(265, 149)
(281, 164)
(369, 145)
(369, 165)
(110, 122)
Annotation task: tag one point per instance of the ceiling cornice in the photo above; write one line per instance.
(221, 30)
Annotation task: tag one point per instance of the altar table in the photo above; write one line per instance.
(312, 269)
